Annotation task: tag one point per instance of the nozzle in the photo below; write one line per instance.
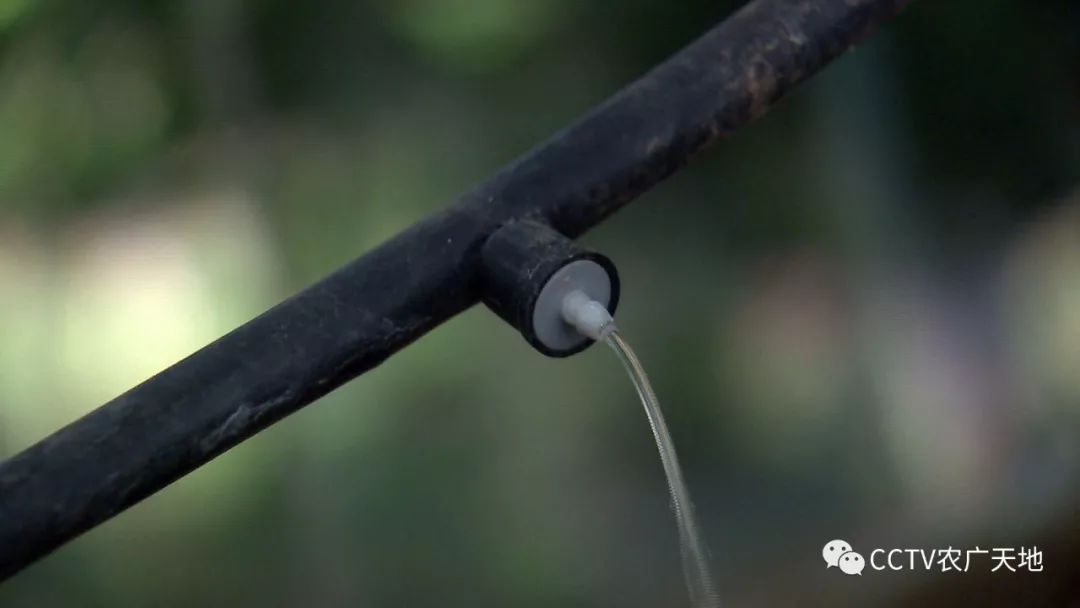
(542, 283)
(589, 317)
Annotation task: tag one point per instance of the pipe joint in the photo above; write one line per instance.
(533, 275)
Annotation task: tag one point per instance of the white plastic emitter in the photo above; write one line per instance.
(589, 317)
(550, 322)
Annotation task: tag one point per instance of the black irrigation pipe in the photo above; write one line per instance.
(355, 318)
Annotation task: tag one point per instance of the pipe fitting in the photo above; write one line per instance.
(530, 269)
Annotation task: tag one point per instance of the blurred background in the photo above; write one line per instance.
(861, 314)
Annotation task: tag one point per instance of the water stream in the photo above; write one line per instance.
(692, 546)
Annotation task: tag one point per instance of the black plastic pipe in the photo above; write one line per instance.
(355, 318)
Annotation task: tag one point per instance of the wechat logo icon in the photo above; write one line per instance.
(838, 553)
